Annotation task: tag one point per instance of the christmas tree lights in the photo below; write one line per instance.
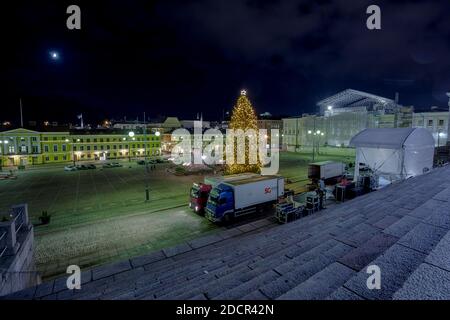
(244, 117)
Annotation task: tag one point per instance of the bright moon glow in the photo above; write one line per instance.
(54, 55)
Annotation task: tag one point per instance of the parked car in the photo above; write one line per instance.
(70, 168)
(116, 164)
(91, 166)
(112, 165)
(82, 167)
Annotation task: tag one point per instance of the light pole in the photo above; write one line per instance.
(313, 143)
(439, 137)
(131, 135)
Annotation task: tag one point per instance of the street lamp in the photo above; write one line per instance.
(439, 135)
(131, 135)
(313, 144)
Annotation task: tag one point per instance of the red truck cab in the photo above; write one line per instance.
(199, 196)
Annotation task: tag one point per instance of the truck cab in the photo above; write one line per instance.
(199, 196)
(220, 203)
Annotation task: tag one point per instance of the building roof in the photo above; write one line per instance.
(392, 138)
(404, 229)
(354, 98)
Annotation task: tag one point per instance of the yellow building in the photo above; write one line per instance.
(22, 147)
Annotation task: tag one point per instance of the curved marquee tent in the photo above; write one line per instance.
(394, 153)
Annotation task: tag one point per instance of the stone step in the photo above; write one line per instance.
(321, 284)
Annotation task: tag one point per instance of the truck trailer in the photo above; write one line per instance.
(325, 169)
(231, 199)
(200, 191)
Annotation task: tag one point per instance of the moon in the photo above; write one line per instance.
(54, 55)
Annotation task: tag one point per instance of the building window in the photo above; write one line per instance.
(55, 148)
(55, 158)
(33, 138)
(23, 149)
(11, 149)
(114, 147)
(64, 148)
(45, 138)
(430, 123)
(81, 148)
(74, 148)
(35, 149)
(46, 148)
(420, 123)
(95, 147)
(55, 138)
(47, 158)
(441, 122)
(64, 158)
(88, 148)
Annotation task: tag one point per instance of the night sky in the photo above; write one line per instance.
(178, 58)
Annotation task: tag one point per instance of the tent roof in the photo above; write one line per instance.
(391, 138)
(354, 98)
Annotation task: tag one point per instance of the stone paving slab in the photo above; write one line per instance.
(426, 283)
(179, 249)
(360, 257)
(111, 269)
(423, 237)
(440, 255)
(148, 258)
(204, 241)
(320, 285)
(396, 264)
(402, 226)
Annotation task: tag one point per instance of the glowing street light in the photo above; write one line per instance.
(330, 108)
(131, 134)
(157, 133)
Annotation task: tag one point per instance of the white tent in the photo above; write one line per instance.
(394, 153)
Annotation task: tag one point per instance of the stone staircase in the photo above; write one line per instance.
(403, 229)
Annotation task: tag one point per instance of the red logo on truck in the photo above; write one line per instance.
(268, 190)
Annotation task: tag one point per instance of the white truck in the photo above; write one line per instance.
(231, 199)
(326, 170)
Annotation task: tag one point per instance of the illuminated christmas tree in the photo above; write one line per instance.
(244, 117)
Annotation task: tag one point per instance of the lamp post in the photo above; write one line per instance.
(131, 135)
(439, 137)
(313, 143)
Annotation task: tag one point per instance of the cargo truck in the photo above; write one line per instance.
(326, 169)
(200, 191)
(231, 199)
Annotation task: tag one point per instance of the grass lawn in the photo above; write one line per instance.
(101, 215)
